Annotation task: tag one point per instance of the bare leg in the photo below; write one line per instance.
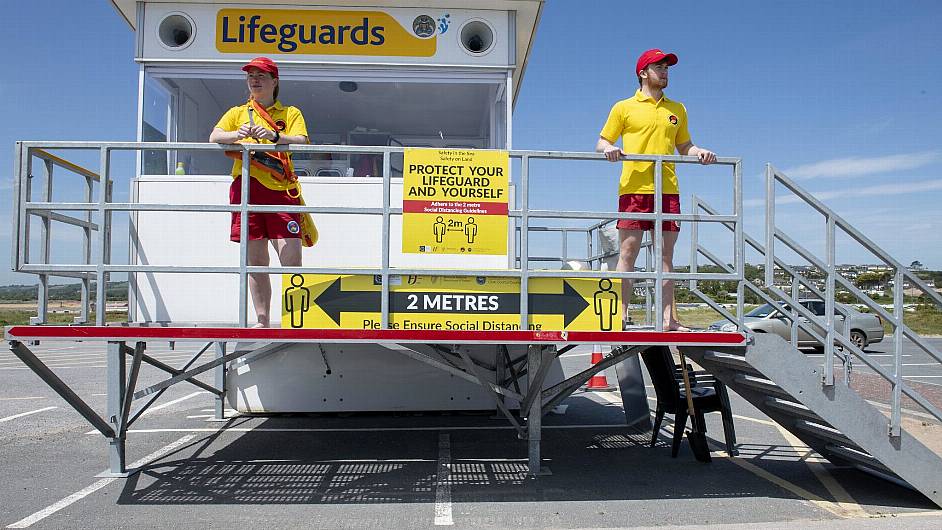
(260, 284)
(667, 260)
(289, 251)
(629, 242)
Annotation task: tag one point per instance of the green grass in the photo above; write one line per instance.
(924, 320)
(16, 317)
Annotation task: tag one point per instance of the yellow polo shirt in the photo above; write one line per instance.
(651, 128)
(288, 117)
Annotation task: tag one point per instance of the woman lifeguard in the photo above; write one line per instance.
(264, 120)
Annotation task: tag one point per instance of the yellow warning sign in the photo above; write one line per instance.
(475, 303)
(454, 201)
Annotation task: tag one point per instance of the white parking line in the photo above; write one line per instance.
(85, 492)
(22, 398)
(20, 415)
(443, 483)
(165, 405)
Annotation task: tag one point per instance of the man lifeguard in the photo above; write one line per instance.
(649, 123)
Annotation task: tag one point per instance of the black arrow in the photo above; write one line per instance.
(335, 301)
(570, 303)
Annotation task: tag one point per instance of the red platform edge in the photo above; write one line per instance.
(207, 334)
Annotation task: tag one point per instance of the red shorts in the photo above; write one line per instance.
(644, 203)
(263, 225)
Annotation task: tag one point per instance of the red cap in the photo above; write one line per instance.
(267, 65)
(652, 56)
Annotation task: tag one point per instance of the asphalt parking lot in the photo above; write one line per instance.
(408, 470)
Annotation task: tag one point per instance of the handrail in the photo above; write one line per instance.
(103, 205)
(65, 164)
(834, 279)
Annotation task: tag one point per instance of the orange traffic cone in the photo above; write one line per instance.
(598, 382)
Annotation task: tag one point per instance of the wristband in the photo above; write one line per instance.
(277, 137)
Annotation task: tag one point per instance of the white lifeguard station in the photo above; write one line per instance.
(376, 79)
(386, 73)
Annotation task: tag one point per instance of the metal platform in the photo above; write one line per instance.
(454, 352)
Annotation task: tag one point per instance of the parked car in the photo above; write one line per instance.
(865, 328)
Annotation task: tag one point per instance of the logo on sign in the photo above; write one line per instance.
(423, 26)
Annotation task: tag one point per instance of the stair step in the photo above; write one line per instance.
(762, 385)
(858, 457)
(827, 433)
(794, 409)
(730, 361)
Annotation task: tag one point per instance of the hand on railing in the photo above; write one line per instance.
(613, 153)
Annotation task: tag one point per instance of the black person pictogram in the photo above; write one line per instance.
(606, 304)
(297, 300)
(470, 229)
(438, 228)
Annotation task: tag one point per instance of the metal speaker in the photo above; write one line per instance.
(176, 31)
(476, 37)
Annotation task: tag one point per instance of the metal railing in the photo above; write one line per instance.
(100, 266)
(825, 331)
(835, 225)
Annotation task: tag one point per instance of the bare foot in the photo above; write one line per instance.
(676, 326)
(259, 325)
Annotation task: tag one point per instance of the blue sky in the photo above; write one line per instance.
(843, 96)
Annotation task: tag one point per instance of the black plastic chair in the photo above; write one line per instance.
(672, 399)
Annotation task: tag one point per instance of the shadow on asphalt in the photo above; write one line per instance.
(489, 465)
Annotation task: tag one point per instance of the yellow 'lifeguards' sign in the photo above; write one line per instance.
(322, 32)
(476, 303)
(454, 201)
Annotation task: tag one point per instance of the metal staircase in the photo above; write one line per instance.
(803, 395)
(834, 420)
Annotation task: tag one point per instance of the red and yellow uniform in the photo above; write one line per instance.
(652, 128)
(264, 188)
(290, 122)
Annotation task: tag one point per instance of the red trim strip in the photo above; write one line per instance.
(357, 335)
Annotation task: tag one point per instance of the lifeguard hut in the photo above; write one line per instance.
(383, 84)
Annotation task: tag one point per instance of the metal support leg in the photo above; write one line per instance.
(633, 395)
(117, 379)
(220, 375)
(535, 359)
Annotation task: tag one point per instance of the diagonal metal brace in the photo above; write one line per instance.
(487, 385)
(132, 383)
(564, 389)
(150, 401)
(533, 388)
(404, 349)
(510, 367)
(183, 376)
(51, 379)
(173, 371)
